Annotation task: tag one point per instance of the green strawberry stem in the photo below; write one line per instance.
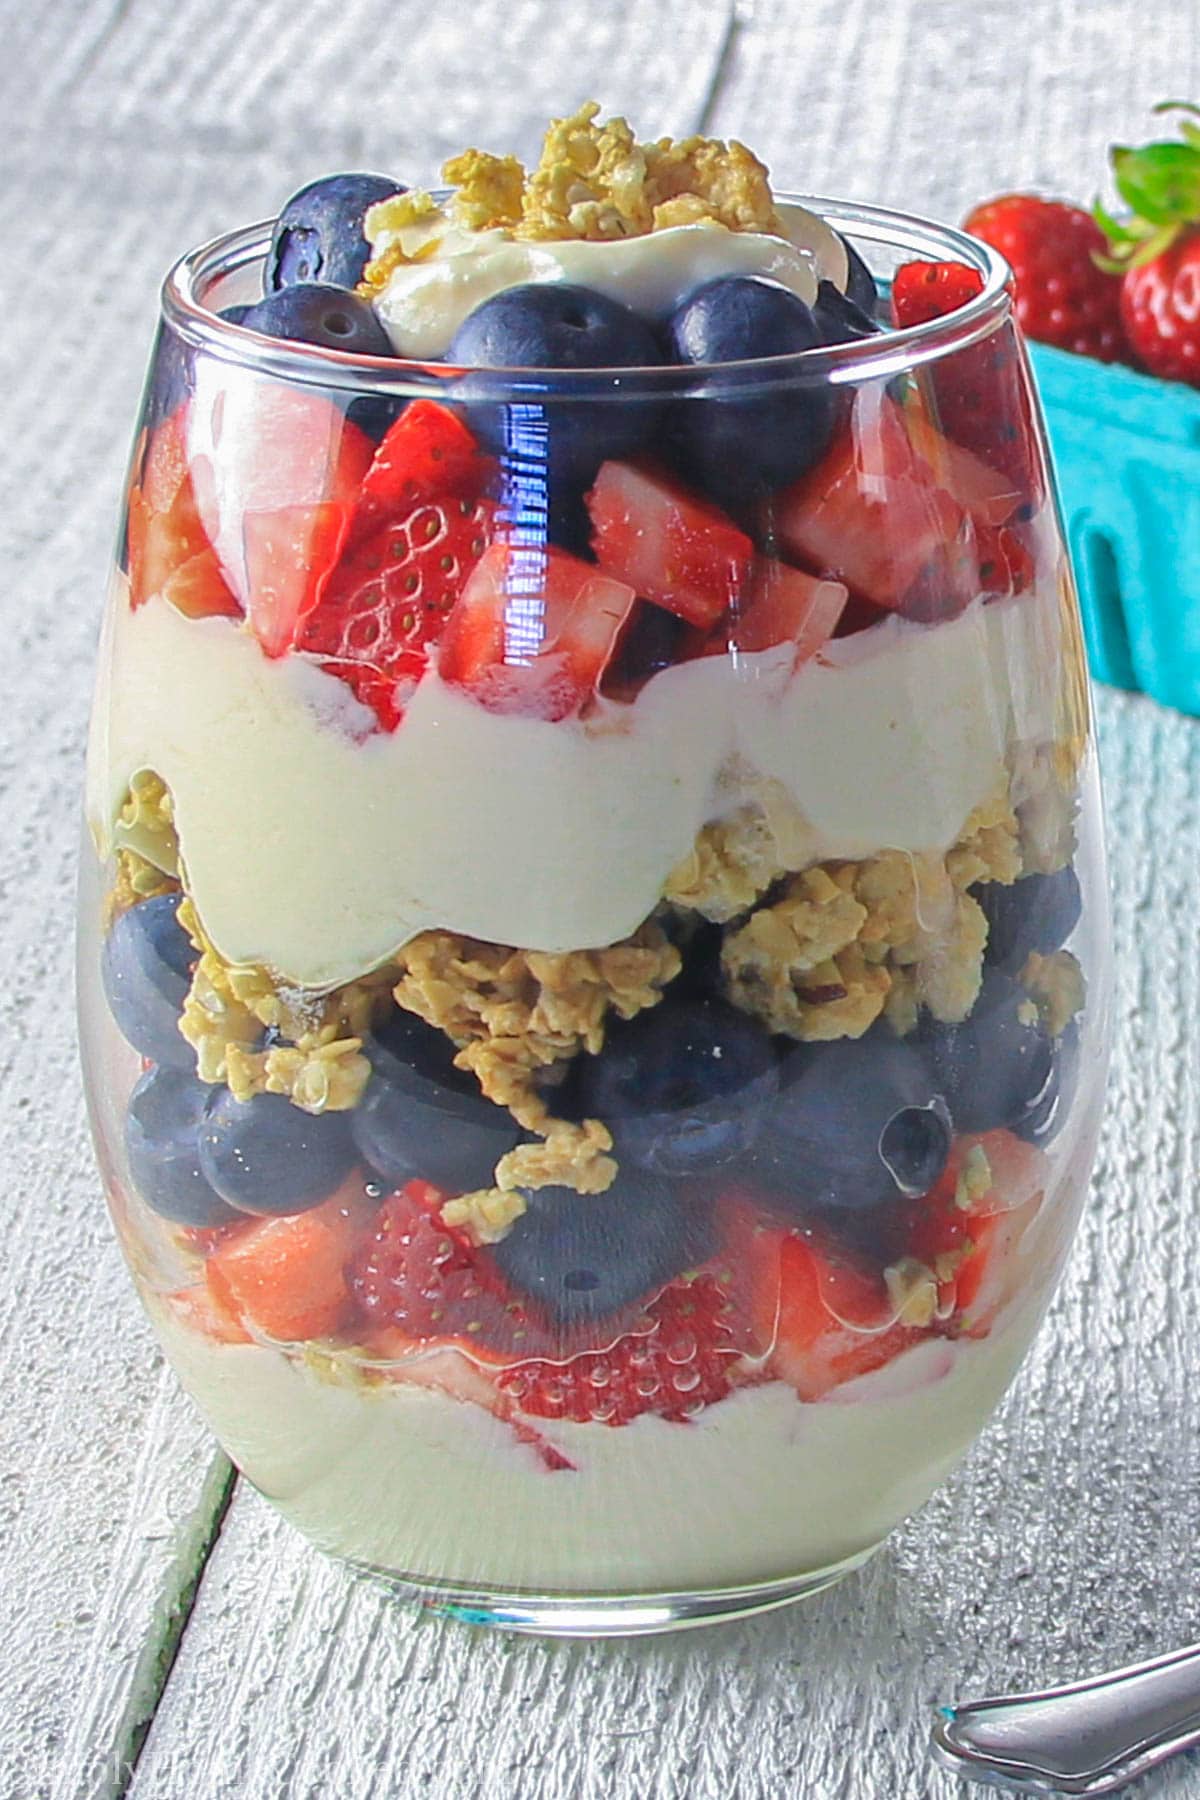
(1160, 184)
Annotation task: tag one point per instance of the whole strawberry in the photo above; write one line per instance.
(1062, 296)
(1157, 249)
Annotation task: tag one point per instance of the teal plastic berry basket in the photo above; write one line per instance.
(1126, 450)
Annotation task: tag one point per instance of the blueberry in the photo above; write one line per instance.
(682, 1087)
(583, 1257)
(422, 1117)
(313, 312)
(266, 1156)
(319, 237)
(997, 1068)
(858, 1123)
(234, 315)
(162, 1145)
(740, 445)
(839, 319)
(1039, 912)
(860, 283)
(146, 969)
(557, 325)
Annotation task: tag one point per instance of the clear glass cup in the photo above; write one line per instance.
(595, 1102)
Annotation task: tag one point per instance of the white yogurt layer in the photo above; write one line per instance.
(425, 302)
(758, 1487)
(317, 847)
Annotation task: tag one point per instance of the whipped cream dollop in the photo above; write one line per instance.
(318, 846)
(425, 301)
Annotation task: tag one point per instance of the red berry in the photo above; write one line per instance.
(419, 525)
(670, 545)
(1160, 309)
(681, 1364)
(413, 1275)
(390, 595)
(927, 290)
(977, 394)
(1062, 297)
(426, 455)
(905, 519)
(169, 551)
(534, 630)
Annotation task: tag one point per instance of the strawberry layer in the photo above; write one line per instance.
(318, 846)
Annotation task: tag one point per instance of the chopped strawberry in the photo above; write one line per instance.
(390, 595)
(875, 513)
(970, 1227)
(276, 472)
(200, 1308)
(285, 1277)
(418, 1281)
(169, 553)
(686, 1361)
(668, 544)
(922, 291)
(533, 631)
(833, 1320)
(282, 549)
(979, 394)
(786, 606)
(428, 454)
(987, 490)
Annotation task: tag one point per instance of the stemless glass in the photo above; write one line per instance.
(593, 958)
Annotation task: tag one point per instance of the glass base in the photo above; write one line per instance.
(609, 1615)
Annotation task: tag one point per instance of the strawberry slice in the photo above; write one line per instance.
(169, 553)
(428, 454)
(668, 544)
(687, 1360)
(284, 550)
(390, 595)
(971, 1227)
(285, 1277)
(979, 393)
(276, 472)
(877, 514)
(415, 1282)
(786, 606)
(533, 631)
(833, 1320)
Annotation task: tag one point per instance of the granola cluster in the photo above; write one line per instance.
(518, 1015)
(316, 1060)
(593, 180)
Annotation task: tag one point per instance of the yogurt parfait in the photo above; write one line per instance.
(593, 952)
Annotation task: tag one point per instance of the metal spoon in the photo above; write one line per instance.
(1093, 1737)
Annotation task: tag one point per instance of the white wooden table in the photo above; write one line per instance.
(161, 1634)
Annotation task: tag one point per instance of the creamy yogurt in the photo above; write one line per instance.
(758, 1487)
(318, 847)
(425, 302)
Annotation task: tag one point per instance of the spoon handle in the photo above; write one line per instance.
(1090, 1738)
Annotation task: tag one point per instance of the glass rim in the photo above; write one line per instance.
(884, 355)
